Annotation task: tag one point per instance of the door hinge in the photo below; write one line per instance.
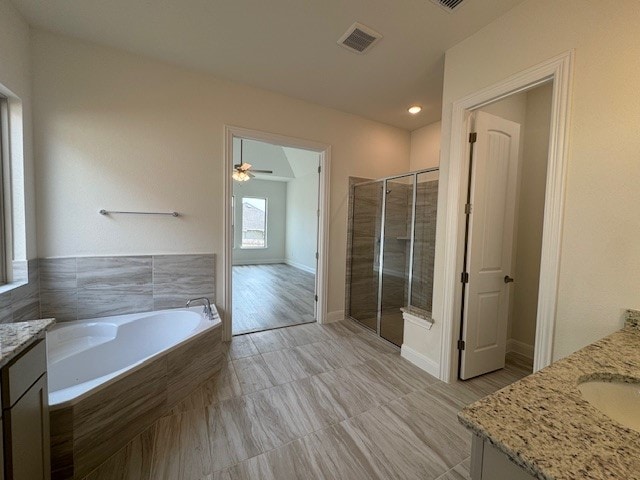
(317, 255)
(467, 209)
(473, 137)
(319, 169)
(464, 278)
(461, 344)
(316, 298)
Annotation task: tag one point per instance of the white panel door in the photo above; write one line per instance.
(489, 244)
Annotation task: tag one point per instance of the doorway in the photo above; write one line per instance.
(452, 239)
(276, 233)
(503, 231)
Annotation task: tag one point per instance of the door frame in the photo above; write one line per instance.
(559, 71)
(231, 132)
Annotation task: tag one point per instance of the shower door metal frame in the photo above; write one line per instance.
(383, 221)
(383, 217)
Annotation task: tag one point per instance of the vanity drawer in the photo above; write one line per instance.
(23, 372)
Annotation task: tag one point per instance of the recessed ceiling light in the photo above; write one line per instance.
(414, 109)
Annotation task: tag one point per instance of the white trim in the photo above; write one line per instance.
(266, 261)
(322, 277)
(300, 266)
(559, 70)
(420, 361)
(519, 347)
(335, 316)
(425, 323)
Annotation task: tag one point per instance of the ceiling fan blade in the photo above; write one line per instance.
(251, 175)
(262, 171)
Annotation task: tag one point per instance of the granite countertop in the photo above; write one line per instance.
(543, 424)
(15, 337)
(417, 312)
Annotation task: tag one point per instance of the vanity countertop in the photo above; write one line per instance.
(15, 337)
(543, 424)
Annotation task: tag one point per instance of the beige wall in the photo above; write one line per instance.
(600, 264)
(532, 110)
(120, 131)
(15, 76)
(514, 109)
(302, 222)
(425, 147)
(533, 176)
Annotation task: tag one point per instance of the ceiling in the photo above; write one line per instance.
(289, 46)
(286, 163)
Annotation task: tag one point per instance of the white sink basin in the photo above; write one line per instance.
(618, 400)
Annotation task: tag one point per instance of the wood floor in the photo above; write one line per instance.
(311, 402)
(271, 296)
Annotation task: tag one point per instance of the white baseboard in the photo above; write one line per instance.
(334, 316)
(267, 261)
(420, 361)
(300, 266)
(521, 348)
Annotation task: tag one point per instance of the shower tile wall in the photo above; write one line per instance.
(352, 181)
(424, 244)
(364, 234)
(88, 287)
(365, 212)
(397, 238)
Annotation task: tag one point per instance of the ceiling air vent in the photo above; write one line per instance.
(359, 38)
(448, 5)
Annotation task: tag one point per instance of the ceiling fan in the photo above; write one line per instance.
(242, 171)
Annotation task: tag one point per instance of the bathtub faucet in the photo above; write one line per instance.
(207, 306)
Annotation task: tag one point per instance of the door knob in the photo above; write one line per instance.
(508, 279)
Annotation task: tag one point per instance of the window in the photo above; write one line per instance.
(254, 223)
(14, 267)
(4, 156)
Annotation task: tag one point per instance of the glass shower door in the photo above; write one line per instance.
(365, 251)
(396, 251)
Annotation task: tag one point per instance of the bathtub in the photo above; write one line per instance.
(87, 355)
(111, 378)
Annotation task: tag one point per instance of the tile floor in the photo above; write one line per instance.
(311, 402)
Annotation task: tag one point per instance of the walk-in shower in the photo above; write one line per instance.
(392, 223)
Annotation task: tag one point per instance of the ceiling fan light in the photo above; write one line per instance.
(240, 176)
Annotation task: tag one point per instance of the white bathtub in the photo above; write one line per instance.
(85, 356)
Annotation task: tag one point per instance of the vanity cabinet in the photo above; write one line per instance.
(25, 416)
(489, 463)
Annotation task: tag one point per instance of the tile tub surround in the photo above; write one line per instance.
(544, 425)
(16, 337)
(90, 287)
(23, 302)
(87, 433)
